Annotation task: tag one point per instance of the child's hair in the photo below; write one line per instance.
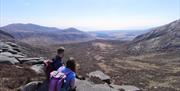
(71, 64)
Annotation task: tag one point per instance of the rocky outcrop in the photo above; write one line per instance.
(126, 88)
(84, 85)
(35, 64)
(38, 68)
(162, 38)
(7, 54)
(31, 61)
(10, 48)
(10, 53)
(8, 60)
(81, 85)
(32, 86)
(100, 75)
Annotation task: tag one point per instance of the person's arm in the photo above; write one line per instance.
(72, 84)
(80, 77)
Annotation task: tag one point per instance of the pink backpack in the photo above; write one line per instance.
(56, 80)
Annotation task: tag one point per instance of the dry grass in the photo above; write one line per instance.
(150, 72)
(12, 77)
(139, 70)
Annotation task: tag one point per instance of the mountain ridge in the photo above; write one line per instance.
(163, 38)
(37, 34)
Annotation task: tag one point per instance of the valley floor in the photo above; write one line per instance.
(149, 71)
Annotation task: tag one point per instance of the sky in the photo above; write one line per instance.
(91, 15)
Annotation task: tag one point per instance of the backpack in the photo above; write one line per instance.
(57, 80)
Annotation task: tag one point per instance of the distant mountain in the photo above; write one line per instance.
(117, 34)
(162, 38)
(5, 36)
(41, 35)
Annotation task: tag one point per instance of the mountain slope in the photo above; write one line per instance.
(162, 38)
(36, 34)
(5, 36)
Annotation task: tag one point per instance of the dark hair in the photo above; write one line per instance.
(71, 64)
(60, 50)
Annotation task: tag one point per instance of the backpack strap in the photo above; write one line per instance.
(66, 74)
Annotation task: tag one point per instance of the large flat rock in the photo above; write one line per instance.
(12, 44)
(38, 68)
(4, 45)
(100, 75)
(8, 60)
(83, 85)
(31, 60)
(126, 87)
(9, 47)
(32, 86)
(8, 54)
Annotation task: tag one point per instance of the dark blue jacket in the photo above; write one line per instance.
(57, 62)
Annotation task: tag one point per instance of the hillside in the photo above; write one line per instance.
(20, 72)
(40, 35)
(150, 72)
(5, 36)
(162, 38)
(155, 70)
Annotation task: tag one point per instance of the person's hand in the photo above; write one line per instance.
(46, 62)
(80, 77)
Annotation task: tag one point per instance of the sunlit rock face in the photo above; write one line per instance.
(162, 38)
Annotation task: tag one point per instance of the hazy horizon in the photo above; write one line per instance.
(91, 15)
